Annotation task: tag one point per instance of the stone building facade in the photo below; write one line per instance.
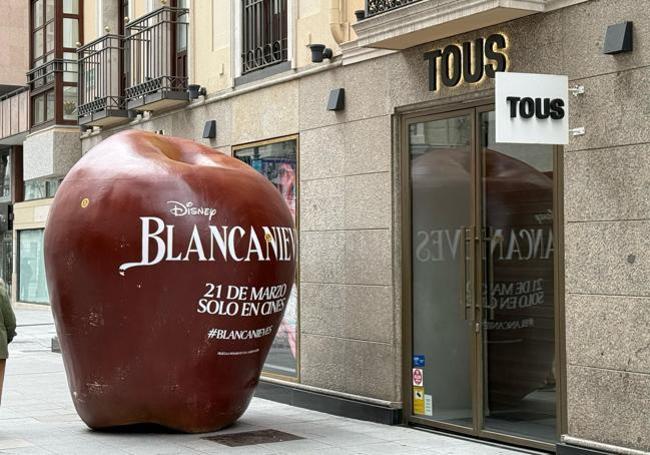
(365, 186)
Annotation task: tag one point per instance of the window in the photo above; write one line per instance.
(42, 31)
(70, 67)
(71, 6)
(38, 109)
(56, 29)
(71, 24)
(128, 7)
(182, 20)
(264, 34)
(41, 188)
(70, 103)
(99, 18)
(43, 107)
(5, 175)
(6, 258)
(277, 162)
(49, 105)
(70, 32)
(31, 267)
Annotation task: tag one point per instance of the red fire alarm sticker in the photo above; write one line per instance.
(418, 377)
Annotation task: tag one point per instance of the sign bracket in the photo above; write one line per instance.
(577, 90)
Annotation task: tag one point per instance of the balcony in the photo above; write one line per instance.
(156, 60)
(374, 7)
(400, 24)
(101, 94)
(14, 116)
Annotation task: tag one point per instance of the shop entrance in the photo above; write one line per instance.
(480, 281)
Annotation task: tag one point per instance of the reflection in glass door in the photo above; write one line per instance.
(482, 280)
(441, 188)
(518, 335)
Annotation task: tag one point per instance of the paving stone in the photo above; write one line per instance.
(37, 417)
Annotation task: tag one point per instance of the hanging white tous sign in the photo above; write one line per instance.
(531, 108)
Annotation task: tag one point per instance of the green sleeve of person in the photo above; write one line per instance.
(8, 316)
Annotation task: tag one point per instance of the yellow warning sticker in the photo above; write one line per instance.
(418, 400)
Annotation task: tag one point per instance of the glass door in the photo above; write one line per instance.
(441, 177)
(480, 277)
(518, 301)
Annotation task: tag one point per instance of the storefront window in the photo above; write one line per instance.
(31, 267)
(277, 162)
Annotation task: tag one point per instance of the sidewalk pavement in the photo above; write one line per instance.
(37, 417)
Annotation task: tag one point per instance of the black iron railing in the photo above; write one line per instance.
(155, 59)
(14, 112)
(264, 33)
(374, 7)
(100, 75)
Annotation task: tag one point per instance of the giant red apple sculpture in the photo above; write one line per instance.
(169, 265)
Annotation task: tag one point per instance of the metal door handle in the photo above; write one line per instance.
(463, 272)
(465, 300)
(492, 239)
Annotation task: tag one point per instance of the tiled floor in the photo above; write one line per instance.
(37, 417)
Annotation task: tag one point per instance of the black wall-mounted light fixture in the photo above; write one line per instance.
(618, 38)
(320, 52)
(210, 129)
(336, 100)
(195, 90)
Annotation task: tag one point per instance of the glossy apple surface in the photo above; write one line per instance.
(169, 265)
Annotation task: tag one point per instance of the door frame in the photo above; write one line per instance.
(474, 108)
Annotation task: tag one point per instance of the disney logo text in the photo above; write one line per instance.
(180, 209)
